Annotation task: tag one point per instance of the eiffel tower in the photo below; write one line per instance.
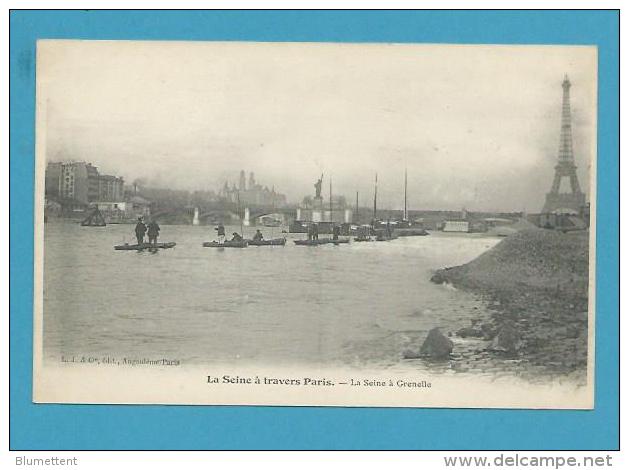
(565, 168)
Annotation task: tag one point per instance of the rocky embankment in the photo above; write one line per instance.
(535, 282)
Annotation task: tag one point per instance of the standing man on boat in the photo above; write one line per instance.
(315, 231)
(153, 232)
(220, 231)
(140, 230)
(336, 231)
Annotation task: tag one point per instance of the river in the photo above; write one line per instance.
(357, 305)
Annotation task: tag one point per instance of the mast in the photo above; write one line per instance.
(405, 190)
(356, 212)
(273, 209)
(331, 218)
(375, 197)
(239, 214)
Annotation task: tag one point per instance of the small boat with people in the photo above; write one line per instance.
(258, 240)
(322, 241)
(226, 244)
(152, 230)
(270, 242)
(385, 237)
(145, 246)
(237, 240)
(411, 232)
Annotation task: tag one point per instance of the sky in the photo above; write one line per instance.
(477, 127)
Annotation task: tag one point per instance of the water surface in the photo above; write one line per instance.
(359, 305)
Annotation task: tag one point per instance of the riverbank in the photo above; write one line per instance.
(535, 282)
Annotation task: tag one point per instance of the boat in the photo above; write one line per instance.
(242, 243)
(226, 244)
(270, 242)
(364, 233)
(405, 227)
(322, 241)
(380, 234)
(411, 232)
(145, 246)
(383, 237)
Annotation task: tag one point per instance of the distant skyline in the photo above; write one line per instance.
(476, 126)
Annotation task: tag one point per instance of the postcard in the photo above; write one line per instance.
(301, 224)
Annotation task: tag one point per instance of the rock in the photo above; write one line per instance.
(470, 332)
(487, 330)
(436, 345)
(507, 340)
(438, 278)
(408, 354)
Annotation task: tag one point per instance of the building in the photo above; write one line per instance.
(203, 198)
(53, 180)
(110, 188)
(252, 194)
(78, 181)
(125, 211)
(78, 184)
(573, 200)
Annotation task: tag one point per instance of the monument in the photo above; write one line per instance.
(573, 200)
(318, 199)
(312, 209)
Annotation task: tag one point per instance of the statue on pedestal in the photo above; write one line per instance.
(317, 186)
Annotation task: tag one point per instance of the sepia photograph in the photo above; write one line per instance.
(334, 224)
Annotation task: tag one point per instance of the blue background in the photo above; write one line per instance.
(187, 427)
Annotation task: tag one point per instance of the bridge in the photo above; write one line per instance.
(208, 215)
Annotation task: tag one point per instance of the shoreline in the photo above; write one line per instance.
(535, 284)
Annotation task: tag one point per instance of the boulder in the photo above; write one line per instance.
(436, 345)
(488, 331)
(438, 278)
(408, 354)
(470, 332)
(507, 340)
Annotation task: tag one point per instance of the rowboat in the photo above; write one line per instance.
(271, 242)
(322, 241)
(145, 246)
(411, 232)
(385, 238)
(311, 242)
(226, 244)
